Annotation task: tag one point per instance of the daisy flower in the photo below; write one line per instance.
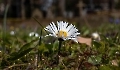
(33, 34)
(62, 31)
(96, 36)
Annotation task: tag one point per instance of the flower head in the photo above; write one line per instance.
(62, 30)
(96, 36)
(33, 34)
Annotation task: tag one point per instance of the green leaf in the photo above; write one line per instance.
(26, 46)
(95, 59)
(115, 67)
(83, 47)
(49, 46)
(55, 45)
(42, 48)
(86, 32)
(21, 54)
(93, 68)
(104, 67)
(96, 44)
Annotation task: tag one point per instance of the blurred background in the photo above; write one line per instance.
(88, 12)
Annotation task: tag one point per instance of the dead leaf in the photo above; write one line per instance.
(87, 41)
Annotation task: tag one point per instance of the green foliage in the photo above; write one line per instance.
(21, 51)
(104, 67)
(18, 55)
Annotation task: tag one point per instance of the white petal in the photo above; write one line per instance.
(49, 29)
(69, 27)
(50, 35)
(61, 22)
(55, 28)
(75, 40)
(58, 25)
(71, 31)
(52, 27)
(65, 25)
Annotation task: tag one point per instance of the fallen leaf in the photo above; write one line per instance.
(87, 41)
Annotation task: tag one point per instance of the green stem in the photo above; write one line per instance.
(5, 20)
(59, 47)
(40, 37)
(40, 25)
(4, 28)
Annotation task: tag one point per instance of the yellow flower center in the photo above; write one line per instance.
(62, 34)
